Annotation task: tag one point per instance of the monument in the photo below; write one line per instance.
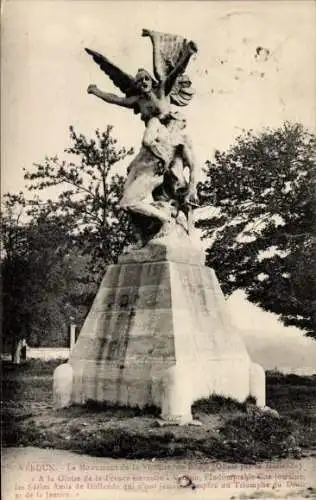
(158, 332)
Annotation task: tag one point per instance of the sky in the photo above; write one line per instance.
(45, 71)
(45, 74)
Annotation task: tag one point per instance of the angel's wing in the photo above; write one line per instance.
(171, 55)
(122, 80)
(182, 91)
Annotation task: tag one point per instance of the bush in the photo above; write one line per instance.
(220, 404)
(259, 436)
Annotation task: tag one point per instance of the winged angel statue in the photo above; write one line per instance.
(158, 194)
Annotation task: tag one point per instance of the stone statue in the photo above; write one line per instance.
(157, 193)
(158, 332)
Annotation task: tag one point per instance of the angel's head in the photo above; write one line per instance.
(144, 80)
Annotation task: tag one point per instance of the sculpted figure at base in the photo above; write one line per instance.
(157, 191)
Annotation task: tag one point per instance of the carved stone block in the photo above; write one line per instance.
(159, 333)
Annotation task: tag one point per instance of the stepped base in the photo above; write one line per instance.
(158, 333)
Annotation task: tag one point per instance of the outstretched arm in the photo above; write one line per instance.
(126, 102)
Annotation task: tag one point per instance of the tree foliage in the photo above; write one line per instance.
(38, 275)
(262, 221)
(88, 194)
(260, 199)
(56, 246)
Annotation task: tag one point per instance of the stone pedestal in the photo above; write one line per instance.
(159, 333)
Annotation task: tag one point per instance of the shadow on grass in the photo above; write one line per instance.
(220, 404)
(120, 432)
(122, 410)
(231, 431)
(34, 367)
(240, 439)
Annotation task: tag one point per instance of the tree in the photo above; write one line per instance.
(89, 194)
(12, 264)
(39, 277)
(262, 223)
(55, 250)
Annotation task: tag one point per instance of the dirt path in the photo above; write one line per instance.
(33, 473)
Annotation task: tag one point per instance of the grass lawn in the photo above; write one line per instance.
(231, 431)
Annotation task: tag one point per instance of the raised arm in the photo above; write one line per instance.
(126, 102)
(180, 67)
